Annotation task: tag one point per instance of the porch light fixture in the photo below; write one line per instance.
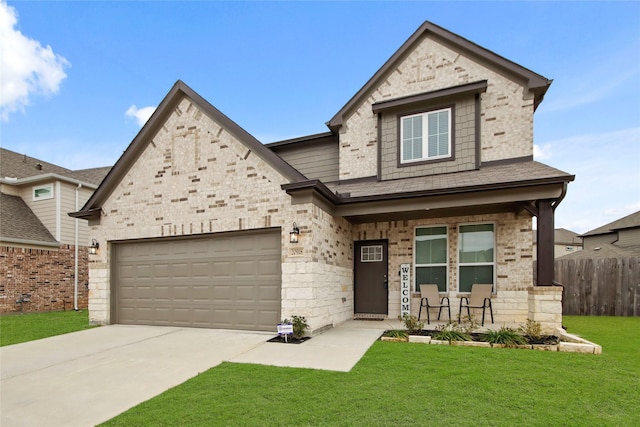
(294, 234)
(94, 246)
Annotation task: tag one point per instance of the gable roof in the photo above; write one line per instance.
(534, 82)
(17, 168)
(91, 209)
(19, 224)
(629, 221)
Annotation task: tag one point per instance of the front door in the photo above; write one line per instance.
(371, 295)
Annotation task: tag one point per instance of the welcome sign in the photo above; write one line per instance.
(405, 289)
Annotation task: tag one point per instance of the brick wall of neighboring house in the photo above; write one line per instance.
(47, 275)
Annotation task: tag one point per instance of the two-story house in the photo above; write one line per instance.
(428, 168)
(43, 251)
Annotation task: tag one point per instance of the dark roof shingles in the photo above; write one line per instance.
(16, 165)
(515, 173)
(19, 222)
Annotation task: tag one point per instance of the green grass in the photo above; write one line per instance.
(17, 328)
(417, 384)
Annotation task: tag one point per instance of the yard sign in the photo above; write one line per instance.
(405, 289)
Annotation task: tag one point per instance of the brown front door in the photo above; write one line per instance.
(371, 295)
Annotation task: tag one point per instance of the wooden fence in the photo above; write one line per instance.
(600, 287)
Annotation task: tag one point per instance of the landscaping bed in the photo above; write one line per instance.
(527, 336)
(288, 340)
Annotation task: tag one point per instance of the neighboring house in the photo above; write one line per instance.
(565, 242)
(428, 168)
(618, 239)
(40, 269)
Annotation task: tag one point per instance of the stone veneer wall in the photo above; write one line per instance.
(194, 177)
(506, 111)
(46, 274)
(514, 270)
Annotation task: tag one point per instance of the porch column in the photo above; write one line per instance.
(545, 248)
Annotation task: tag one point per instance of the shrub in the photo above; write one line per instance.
(468, 324)
(396, 333)
(452, 331)
(531, 330)
(412, 324)
(299, 323)
(505, 335)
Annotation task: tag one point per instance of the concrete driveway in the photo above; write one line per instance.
(85, 378)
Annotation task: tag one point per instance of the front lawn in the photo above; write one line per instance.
(17, 328)
(417, 384)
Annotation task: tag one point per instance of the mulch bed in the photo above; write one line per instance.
(290, 340)
(479, 336)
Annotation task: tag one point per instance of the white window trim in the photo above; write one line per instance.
(40, 187)
(362, 248)
(415, 252)
(495, 254)
(425, 136)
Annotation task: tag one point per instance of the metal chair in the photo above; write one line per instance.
(480, 298)
(429, 298)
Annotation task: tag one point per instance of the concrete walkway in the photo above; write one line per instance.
(88, 377)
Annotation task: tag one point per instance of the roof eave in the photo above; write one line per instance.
(534, 82)
(460, 190)
(163, 111)
(46, 177)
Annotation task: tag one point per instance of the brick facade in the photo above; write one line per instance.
(514, 267)
(192, 175)
(46, 274)
(506, 110)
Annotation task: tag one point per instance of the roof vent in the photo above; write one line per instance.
(39, 166)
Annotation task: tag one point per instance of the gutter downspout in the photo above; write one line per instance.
(75, 261)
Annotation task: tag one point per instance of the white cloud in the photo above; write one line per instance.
(26, 67)
(140, 114)
(542, 152)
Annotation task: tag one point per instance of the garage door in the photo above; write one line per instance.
(226, 280)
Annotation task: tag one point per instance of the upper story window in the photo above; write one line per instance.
(43, 192)
(426, 136)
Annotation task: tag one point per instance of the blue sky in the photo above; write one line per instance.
(77, 77)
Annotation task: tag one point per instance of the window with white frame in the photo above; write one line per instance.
(371, 253)
(430, 257)
(43, 192)
(476, 256)
(425, 136)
